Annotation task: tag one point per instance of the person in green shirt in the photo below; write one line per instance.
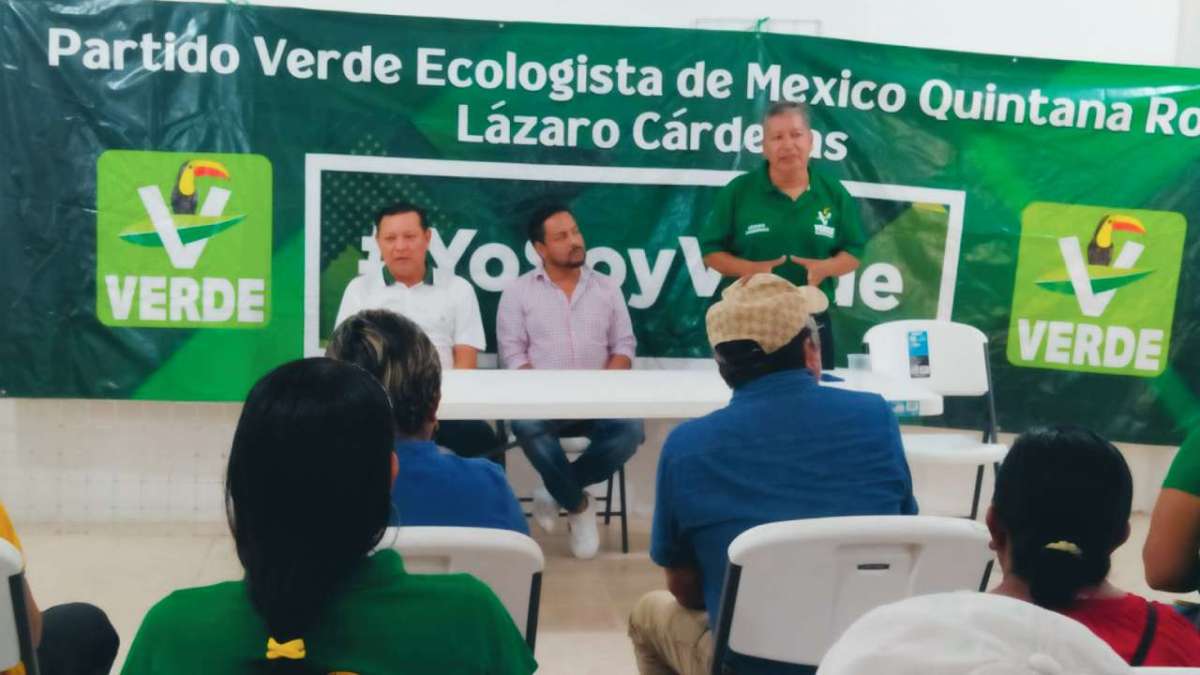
(786, 218)
(1172, 550)
(308, 494)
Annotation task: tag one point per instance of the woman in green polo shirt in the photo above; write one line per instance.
(1172, 550)
(786, 217)
(308, 493)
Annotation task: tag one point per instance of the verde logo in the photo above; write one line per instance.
(1095, 288)
(183, 239)
(822, 227)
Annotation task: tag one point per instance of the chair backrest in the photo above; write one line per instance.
(958, 363)
(510, 563)
(792, 587)
(16, 642)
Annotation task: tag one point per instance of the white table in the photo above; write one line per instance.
(644, 394)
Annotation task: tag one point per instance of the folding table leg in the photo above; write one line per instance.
(624, 513)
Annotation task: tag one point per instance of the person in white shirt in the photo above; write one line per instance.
(442, 304)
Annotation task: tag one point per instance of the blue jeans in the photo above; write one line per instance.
(611, 443)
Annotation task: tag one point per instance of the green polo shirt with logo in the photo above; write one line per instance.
(754, 220)
(383, 620)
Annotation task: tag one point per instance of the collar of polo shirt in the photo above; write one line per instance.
(540, 271)
(764, 179)
(389, 280)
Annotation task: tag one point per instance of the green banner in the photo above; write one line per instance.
(190, 187)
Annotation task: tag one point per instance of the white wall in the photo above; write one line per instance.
(70, 461)
(1117, 31)
(74, 463)
(1189, 33)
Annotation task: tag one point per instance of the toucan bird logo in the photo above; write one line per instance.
(1095, 282)
(183, 195)
(1100, 248)
(181, 231)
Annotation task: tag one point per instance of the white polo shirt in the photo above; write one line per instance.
(443, 305)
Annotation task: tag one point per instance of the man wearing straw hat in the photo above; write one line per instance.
(784, 448)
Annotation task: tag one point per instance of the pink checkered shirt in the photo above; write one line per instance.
(536, 325)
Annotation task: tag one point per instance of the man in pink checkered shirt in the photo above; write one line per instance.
(565, 315)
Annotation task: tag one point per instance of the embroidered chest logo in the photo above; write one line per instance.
(822, 227)
(757, 228)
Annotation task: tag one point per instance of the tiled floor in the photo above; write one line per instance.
(125, 569)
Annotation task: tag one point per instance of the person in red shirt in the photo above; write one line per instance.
(1061, 507)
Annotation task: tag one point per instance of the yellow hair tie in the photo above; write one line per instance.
(292, 649)
(1065, 547)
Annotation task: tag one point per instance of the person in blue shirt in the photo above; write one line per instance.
(784, 448)
(434, 487)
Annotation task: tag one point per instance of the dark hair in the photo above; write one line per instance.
(399, 354)
(781, 107)
(536, 226)
(400, 208)
(740, 361)
(1063, 496)
(308, 490)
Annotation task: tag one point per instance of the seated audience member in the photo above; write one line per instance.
(966, 633)
(71, 639)
(308, 495)
(441, 303)
(434, 487)
(1172, 550)
(565, 315)
(784, 448)
(1060, 509)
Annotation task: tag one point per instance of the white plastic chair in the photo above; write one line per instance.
(958, 366)
(16, 640)
(792, 588)
(1151, 670)
(510, 563)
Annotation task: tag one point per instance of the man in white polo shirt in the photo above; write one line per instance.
(442, 304)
